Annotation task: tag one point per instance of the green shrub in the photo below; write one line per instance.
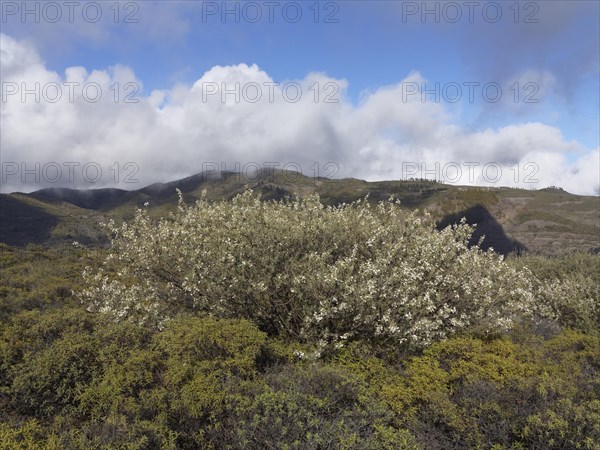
(230, 344)
(222, 383)
(44, 357)
(308, 407)
(469, 393)
(30, 435)
(288, 325)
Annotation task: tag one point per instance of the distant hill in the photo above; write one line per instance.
(548, 221)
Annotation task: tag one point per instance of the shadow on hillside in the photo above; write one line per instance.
(487, 226)
(22, 224)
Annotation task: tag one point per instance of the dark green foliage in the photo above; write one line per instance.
(71, 379)
(310, 406)
(469, 393)
(200, 383)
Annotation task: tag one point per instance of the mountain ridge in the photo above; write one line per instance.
(547, 221)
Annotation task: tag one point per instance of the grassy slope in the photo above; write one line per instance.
(27, 220)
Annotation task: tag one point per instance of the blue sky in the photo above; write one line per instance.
(553, 46)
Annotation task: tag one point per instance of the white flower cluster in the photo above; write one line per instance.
(303, 270)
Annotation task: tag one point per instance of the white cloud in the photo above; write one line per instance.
(171, 133)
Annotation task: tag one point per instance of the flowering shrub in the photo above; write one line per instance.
(568, 288)
(320, 275)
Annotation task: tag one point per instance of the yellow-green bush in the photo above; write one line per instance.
(211, 378)
(469, 393)
(30, 435)
(210, 383)
(309, 406)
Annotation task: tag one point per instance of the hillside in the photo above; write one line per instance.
(547, 221)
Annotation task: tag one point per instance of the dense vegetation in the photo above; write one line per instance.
(248, 324)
